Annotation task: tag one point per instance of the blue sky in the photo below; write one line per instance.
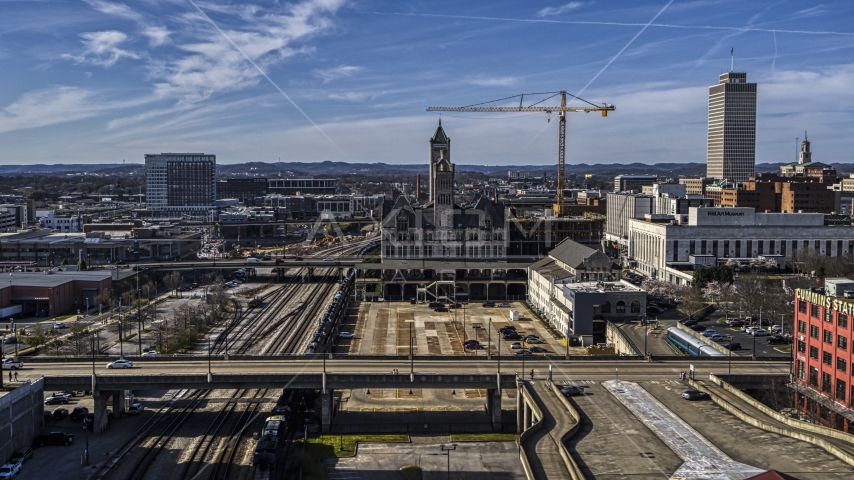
(101, 81)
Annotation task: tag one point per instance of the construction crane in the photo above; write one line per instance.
(562, 110)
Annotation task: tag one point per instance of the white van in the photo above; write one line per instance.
(253, 260)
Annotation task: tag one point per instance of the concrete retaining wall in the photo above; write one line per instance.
(717, 346)
(792, 422)
(538, 414)
(624, 344)
(751, 420)
(574, 472)
(21, 417)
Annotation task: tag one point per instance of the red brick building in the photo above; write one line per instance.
(824, 388)
(53, 293)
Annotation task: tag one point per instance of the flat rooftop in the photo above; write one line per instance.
(621, 286)
(51, 280)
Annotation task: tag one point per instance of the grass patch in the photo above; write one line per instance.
(483, 437)
(339, 446)
(60, 318)
(412, 472)
(785, 349)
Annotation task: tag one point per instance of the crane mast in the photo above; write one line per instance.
(561, 110)
(561, 155)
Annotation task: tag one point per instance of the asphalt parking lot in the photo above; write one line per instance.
(745, 443)
(762, 347)
(384, 328)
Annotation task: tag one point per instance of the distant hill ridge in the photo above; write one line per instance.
(330, 168)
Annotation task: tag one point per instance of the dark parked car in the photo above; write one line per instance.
(507, 329)
(436, 304)
(689, 322)
(440, 309)
(735, 323)
(474, 346)
(732, 346)
(53, 438)
(55, 400)
(537, 349)
(488, 304)
(60, 413)
(522, 353)
(571, 390)
(779, 340)
(512, 336)
(79, 413)
(468, 342)
(697, 328)
(21, 457)
(695, 395)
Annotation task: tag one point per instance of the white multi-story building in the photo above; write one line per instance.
(658, 248)
(69, 224)
(731, 147)
(574, 286)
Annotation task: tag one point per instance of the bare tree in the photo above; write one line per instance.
(748, 292)
(79, 340)
(692, 302)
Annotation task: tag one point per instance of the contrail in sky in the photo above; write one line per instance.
(616, 24)
(624, 48)
(266, 76)
(774, 60)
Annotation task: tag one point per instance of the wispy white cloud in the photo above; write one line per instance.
(351, 96)
(211, 64)
(156, 35)
(550, 11)
(815, 11)
(46, 107)
(482, 81)
(342, 71)
(114, 9)
(102, 48)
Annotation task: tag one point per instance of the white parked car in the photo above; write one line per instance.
(716, 337)
(759, 332)
(122, 363)
(709, 333)
(9, 470)
(346, 335)
(150, 353)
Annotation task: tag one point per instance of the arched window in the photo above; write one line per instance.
(636, 307)
(621, 307)
(606, 308)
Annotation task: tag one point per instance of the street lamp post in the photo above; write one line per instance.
(448, 449)
(729, 359)
(210, 375)
(489, 337)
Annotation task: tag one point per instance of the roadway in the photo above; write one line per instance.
(598, 370)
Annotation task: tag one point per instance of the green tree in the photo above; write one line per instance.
(81, 265)
(701, 277)
(37, 339)
(820, 272)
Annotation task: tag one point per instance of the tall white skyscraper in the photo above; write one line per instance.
(731, 153)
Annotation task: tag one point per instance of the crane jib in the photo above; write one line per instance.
(562, 110)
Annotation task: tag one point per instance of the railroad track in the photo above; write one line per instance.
(289, 334)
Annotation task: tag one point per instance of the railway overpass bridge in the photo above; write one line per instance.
(353, 373)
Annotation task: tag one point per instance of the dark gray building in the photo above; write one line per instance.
(302, 186)
(180, 181)
(244, 189)
(627, 183)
